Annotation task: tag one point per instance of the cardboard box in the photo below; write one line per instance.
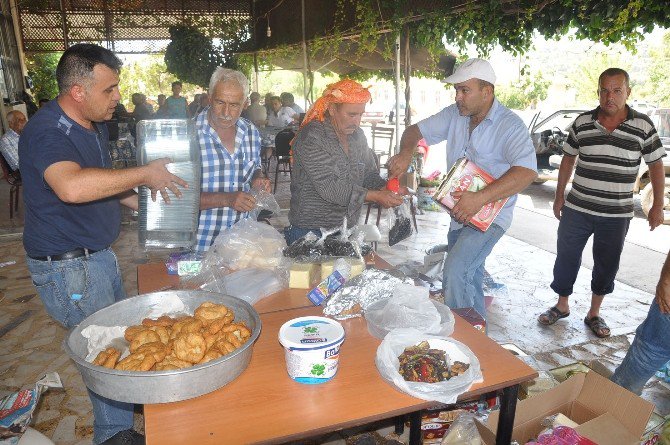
(409, 180)
(606, 413)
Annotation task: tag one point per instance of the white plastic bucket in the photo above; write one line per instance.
(312, 348)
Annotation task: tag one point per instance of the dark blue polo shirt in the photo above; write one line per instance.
(53, 227)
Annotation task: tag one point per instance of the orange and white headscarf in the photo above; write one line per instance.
(345, 91)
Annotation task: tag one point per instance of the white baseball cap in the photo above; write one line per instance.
(473, 69)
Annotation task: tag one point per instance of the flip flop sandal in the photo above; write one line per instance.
(597, 326)
(551, 316)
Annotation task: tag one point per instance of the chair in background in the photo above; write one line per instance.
(14, 181)
(383, 134)
(283, 154)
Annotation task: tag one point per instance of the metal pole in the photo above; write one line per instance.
(305, 77)
(397, 94)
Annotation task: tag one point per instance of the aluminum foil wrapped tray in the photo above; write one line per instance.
(172, 225)
(161, 386)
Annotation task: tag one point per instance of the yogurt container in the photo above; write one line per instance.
(312, 348)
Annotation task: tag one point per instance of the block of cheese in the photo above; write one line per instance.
(302, 275)
(357, 266)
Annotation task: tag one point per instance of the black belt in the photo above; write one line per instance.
(72, 254)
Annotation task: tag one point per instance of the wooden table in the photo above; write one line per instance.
(264, 405)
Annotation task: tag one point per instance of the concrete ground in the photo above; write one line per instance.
(30, 342)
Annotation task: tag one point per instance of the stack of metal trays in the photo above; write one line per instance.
(172, 225)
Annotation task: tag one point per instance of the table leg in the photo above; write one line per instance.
(399, 422)
(415, 428)
(507, 412)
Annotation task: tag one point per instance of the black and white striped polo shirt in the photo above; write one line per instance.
(608, 162)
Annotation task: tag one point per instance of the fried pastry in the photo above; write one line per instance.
(145, 336)
(156, 349)
(163, 320)
(208, 312)
(136, 362)
(190, 347)
(107, 358)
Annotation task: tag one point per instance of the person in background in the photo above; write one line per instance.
(255, 111)
(281, 116)
(176, 104)
(482, 130)
(203, 103)
(73, 204)
(267, 102)
(193, 106)
(142, 110)
(161, 113)
(651, 347)
(287, 100)
(334, 170)
(9, 143)
(607, 145)
(230, 149)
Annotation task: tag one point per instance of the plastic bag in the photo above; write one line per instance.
(463, 431)
(447, 391)
(409, 307)
(561, 435)
(400, 222)
(333, 243)
(251, 285)
(264, 201)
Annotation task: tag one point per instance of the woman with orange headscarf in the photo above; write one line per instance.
(334, 170)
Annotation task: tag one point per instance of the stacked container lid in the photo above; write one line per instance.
(172, 225)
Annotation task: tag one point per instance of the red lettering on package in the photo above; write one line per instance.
(22, 400)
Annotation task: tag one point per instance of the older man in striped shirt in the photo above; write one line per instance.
(609, 141)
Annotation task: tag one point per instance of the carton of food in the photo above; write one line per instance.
(465, 175)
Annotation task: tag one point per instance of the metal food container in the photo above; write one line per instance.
(161, 386)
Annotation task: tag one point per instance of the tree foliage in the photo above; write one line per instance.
(42, 70)
(192, 56)
(531, 89)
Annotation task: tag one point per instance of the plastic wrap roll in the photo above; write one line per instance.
(172, 225)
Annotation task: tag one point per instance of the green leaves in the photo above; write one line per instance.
(318, 369)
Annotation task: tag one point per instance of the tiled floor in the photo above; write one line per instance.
(30, 343)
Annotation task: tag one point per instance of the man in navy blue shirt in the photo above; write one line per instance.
(72, 200)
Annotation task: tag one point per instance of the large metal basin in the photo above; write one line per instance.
(161, 386)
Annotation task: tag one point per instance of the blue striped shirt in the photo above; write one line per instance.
(225, 172)
(9, 146)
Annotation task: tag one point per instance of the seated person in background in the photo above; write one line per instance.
(193, 106)
(161, 113)
(230, 148)
(334, 170)
(256, 112)
(142, 109)
(9, 143)
(287, 100)
(281, 116)
(267, 102)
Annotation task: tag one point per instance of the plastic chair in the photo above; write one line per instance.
(14, 181)
(283, 154)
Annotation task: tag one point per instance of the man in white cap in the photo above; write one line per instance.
(485, 132)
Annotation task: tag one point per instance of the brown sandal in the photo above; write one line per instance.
(597, 326)
(551, 316)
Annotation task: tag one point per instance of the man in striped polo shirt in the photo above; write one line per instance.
(609, 141)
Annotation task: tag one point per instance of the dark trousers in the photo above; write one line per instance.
(574, 230)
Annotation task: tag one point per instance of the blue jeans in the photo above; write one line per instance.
(648, 353)
(292, 233)
(71, 290)
(463, 272)
(574, 231)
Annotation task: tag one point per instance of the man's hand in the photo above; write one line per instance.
(663, 296)
(467, 205)
(559, 201)
(159, 179)
(384, 198)
(261, 183)
(399, 164)
(655, 217)
(242, 201)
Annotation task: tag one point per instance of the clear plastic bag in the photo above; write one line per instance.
(400, 222)
(447, 391)
(264, 201)
(409, 307)
(333, 243)
(463, 431)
